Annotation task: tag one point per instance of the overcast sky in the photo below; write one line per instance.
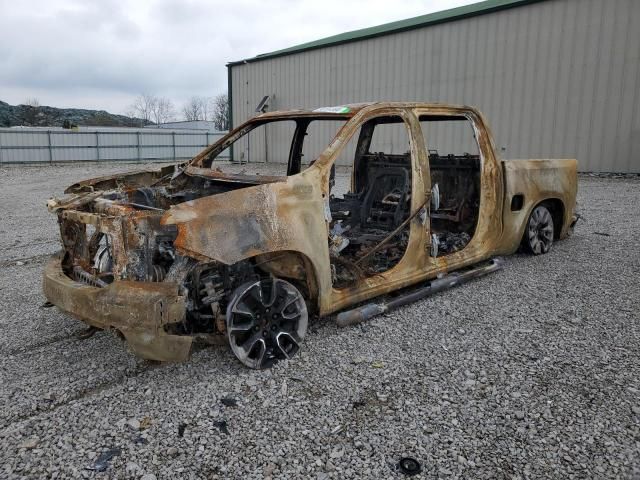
(102, 53)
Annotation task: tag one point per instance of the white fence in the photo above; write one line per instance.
(41, 145)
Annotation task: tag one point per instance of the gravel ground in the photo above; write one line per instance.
(532, 372)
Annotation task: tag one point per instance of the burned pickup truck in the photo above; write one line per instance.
(184, 253)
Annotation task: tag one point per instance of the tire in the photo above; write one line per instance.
(266, 322)
(539, 232)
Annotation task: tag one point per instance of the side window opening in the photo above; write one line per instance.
(367, 235)
(454, 163)
(318, 136)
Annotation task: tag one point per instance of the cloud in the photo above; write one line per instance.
(101, 54)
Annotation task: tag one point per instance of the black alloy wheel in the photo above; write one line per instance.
(266, 322)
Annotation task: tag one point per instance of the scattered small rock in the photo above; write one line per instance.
(222, 426)
(102, 462)
(132, 469)
(133, 424)
(229, 401)
(337, 453)
(337, 429)
(145, 423)
(269, 469)
(359, 404)
(30, 443)
(172, 451)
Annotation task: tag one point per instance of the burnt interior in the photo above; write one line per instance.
(455, 181)
(369, 230)
(374, 212)
(458, 183)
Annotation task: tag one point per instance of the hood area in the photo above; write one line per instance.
(114, 227)
(152, 190)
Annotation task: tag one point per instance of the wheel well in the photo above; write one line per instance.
(212, 285)
(294, 267)
(556, 208)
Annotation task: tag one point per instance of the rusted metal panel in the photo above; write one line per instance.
(138, 310)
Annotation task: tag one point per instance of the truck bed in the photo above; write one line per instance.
(529, 182)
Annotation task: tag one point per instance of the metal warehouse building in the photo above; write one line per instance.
(555, 78)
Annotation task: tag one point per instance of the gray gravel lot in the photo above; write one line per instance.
(532, 372)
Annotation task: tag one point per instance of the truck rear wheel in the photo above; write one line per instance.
(538, 236)
(266, 322)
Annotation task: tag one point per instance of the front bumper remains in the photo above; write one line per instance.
(139, 310)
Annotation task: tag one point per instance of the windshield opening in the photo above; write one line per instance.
(279, 147)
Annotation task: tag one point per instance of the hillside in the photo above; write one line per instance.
(43, 116)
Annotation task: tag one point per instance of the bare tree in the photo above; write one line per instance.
(32, 102)
(131, 113)
(162, 110)
(219, 111)
(143, 106)
(215, 109)
(195, 109)
(30, 113)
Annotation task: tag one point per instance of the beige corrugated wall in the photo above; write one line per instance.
(559, 78)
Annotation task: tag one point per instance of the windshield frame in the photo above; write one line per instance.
(206, 158)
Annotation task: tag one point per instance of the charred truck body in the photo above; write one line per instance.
(187, 252)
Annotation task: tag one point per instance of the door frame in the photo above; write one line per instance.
(414, 260)
(486, 236)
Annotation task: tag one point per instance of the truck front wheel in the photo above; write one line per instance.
(266, 322)
(538, 236)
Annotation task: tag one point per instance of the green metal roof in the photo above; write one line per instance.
(471, 10)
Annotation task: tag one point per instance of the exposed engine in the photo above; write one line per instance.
(117, 234)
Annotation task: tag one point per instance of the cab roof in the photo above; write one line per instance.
(348, 110)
